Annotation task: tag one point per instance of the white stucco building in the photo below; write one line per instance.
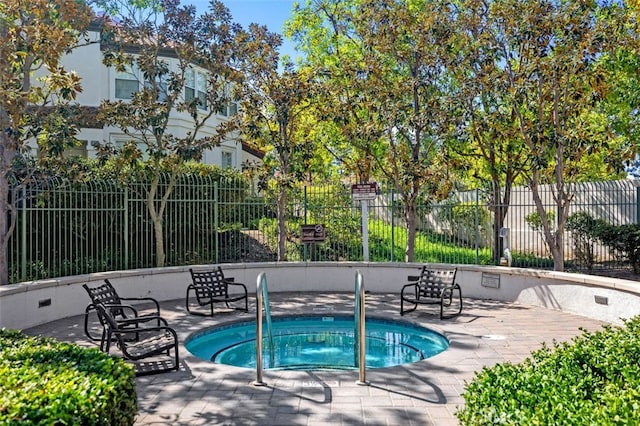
(100, 82)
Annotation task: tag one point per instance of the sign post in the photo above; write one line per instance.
(364, 192)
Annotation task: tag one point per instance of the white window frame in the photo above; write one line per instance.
(230, 108)
(131, 74)
(227, 159)
(195, 86)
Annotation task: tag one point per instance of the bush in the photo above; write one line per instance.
(46, 382)
(584, 234)
(623, 242)
(594, 379)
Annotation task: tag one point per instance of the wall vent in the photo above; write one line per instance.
(601, 300)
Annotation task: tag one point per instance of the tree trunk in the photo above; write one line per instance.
(557, 251)
(156, 219)
(501, 201)
(282, 232)
(554, 240)
(7, 220)
(4, 229)
(410, 217)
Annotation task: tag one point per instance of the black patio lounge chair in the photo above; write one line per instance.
(137, 341)
(119, 308)
(212, 287)
(431, 287)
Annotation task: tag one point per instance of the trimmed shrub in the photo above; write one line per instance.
(592, 380)
(623, 242)
(584, 233)
(46, 382)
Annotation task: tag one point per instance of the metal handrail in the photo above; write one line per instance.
(359, 344)
(262, 300)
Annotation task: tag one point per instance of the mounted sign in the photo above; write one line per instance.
(313, 233)
(364, 191)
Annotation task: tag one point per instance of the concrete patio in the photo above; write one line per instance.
(423, 393)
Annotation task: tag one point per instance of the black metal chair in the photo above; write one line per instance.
(140, 342)
(212, 287)
(431, 287)
(107, 295)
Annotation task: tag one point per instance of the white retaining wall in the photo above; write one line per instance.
(26, 305)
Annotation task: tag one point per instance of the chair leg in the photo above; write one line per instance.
(450, 296)
(406, 311)
(187, 302)
(87, 311)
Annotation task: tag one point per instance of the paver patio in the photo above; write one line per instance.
(422, 393)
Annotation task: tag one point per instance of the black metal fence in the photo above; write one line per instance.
(66, 228)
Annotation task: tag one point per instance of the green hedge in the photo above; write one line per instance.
(46, 382)
(592, 380)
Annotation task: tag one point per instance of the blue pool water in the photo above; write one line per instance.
(314, 342)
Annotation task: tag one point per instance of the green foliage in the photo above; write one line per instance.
(347, 245)
(592, 380)
(534, 220)
(464, 220)
(45, 382)
(102, 215)
(624, 241)
(584, 233)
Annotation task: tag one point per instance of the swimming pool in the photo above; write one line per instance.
(317, 342)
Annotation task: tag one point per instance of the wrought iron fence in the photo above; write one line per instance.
(66, 228)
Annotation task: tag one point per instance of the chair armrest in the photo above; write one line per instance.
(237, 284)
(136, 319)
(146, 329)
(413, 278)
(143, 299)
(229, 279)
(414, 285)
(121, 306)
(242, 291)
(139, 320)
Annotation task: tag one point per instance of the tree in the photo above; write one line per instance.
(183, 68)
(34, 35)
(274, 102)
(344, 111)
(549, 63)
(493, 147)
(391, 87)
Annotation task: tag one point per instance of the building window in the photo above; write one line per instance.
(230, 107)
(227, 160)
(160, 86)
(127, 83)
(76, 151)
(196, 87)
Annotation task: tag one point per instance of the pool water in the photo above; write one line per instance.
(314, 342)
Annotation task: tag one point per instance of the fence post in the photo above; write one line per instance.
(393, 225)
(125, 231)
(304, 209)
(637, 204)
(477, 220)
(216, 202)
(23, 236)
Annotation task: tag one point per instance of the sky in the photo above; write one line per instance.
(272, 13)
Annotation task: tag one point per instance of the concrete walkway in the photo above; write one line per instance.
(423, 393)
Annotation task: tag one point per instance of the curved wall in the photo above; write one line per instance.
(26, 305)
